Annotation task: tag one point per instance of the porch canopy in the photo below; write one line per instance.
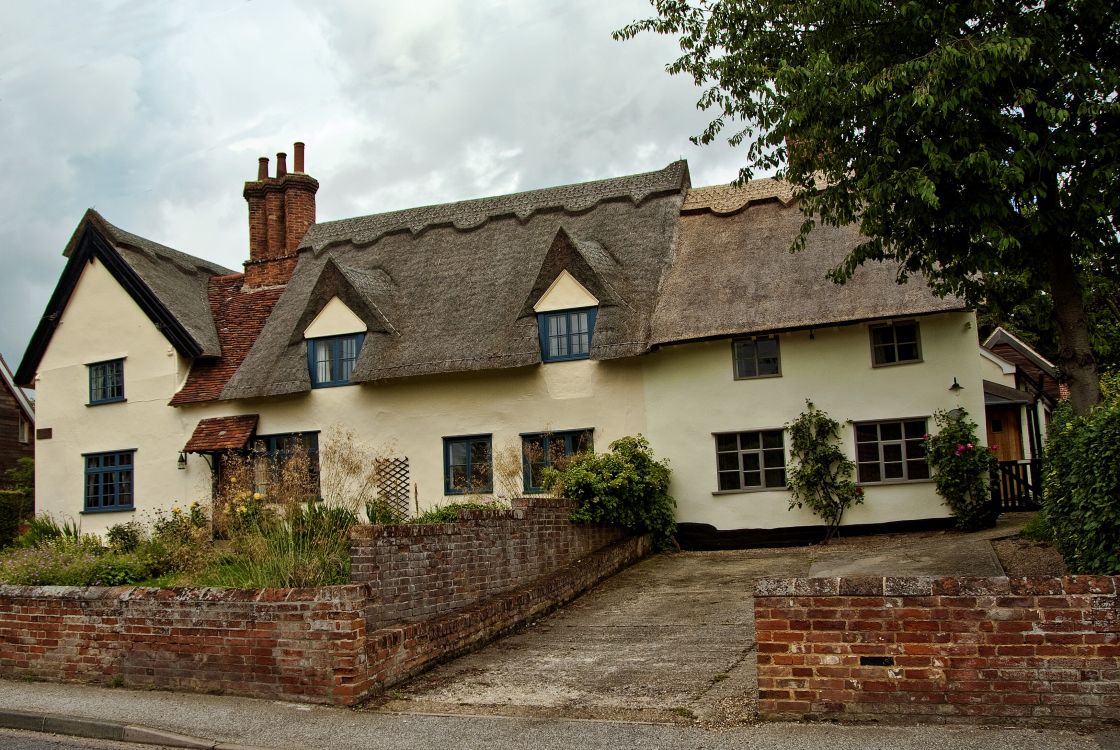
(222, 434)
(996, 394)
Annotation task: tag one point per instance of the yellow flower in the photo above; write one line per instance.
(257, 496)
(176, 509)
(240, 508)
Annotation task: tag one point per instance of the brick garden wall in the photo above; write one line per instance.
(949, 649)
(471, 581)
(420, 571)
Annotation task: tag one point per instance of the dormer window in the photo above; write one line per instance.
(331, 359)
(566, 334)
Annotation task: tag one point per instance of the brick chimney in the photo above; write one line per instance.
(281, 209)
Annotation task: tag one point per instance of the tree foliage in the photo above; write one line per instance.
(821, 475)
(961, 467)
(1081, 494)
(969, 140)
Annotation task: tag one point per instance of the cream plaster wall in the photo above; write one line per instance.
(100, 323)
(565, 293)
(335, 319)
(691, 393)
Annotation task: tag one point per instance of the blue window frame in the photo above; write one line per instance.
(467, 465)
(566, 334)
(331, 360)
(109, 481)
(542, 450)
(106, 382)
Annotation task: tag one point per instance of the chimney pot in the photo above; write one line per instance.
(281, 164)
(299, 156)
(262, 168)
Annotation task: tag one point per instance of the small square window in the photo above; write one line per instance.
(24, 430)
(106, 382)
(467, 465)
(109, 481)
(566, 334)
(757, 358)
(751, 460)
(544, 450)
(331, 360)
(895, 343)
(892, 451)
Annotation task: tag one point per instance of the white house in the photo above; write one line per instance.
(555, 319)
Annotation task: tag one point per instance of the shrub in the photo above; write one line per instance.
(961, 468)
(821, 475)
(1081, 483)
(380, 512)
(17, 499)
(627, 487)
(450, 513)
(1038, 529)
(125, 537)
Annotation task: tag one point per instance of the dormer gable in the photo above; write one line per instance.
(342, 297)
(565, 293)
(335, 319)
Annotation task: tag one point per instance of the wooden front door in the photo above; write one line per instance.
(1005, 432)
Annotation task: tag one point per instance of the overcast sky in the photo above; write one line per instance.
(155, 114)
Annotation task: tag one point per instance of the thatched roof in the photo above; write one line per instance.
(178, 280)
(734, 274)
(448, 288)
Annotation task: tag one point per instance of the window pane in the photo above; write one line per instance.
(458, 453)
(892, 452)
(729, 480)
(745, 359)
(480, 450)
(907, 352)
(775, 477)
(869, 473)
(767, 350)
(580, 343)
(584, 442)
(867, 433)
(579, 322)
(726, 442)
(885, 355)
(727, 461)
(752, 479)
(915, 428)
(322, 362)
(774, 459)
(867, 452)
(772, 439)
(890, 431)
(915, 449)
(749, 440)
(892, 470)
(917, 469)
(557, 325)
(751, 462)
(906, 333)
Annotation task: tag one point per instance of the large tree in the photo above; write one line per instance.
(971, 141)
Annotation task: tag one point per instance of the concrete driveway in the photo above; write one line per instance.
(670, 639)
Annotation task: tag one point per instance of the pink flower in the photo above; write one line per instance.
(926, 436)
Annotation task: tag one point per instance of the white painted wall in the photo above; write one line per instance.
(691, 393)
(677, 397)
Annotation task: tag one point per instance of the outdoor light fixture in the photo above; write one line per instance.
(182, 460)
(956, 386)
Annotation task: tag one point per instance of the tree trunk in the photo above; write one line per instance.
(1078, 366)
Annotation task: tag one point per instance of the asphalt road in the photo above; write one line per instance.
(13, 739)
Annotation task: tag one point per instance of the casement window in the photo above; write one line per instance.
(751, 460)
(892, 451)
(467, 465)
(270, 453)
(543, 450)
(757, 358)
(331, 359)
(895, 343)
(23, 430)
(109, 484)
(106, 382)
(566, 334)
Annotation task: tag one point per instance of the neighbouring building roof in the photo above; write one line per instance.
(1038, 368)
(21, 398)
(222, 433)
(734, 274)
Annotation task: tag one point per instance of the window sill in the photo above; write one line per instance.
(92, 511)
(319, 386)
(875, 366)
(894, 482)
(750, 490)
(758, 377)
(564, 359)
(110, 401)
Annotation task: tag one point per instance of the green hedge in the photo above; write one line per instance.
(1082, 484)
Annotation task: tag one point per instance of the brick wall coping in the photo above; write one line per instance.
(935, 586)
(349, 594)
